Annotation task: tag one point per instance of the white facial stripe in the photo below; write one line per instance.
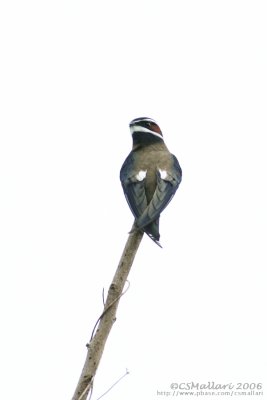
(146, 120)
(141, 175)
(163, 173)
(134, 128)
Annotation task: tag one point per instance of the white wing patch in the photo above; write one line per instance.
(141, 175)
(163, 173)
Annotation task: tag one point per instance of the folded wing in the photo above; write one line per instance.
(167, 184)
(133, 187)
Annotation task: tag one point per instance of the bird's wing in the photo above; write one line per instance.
(167, 184)
(134, 188)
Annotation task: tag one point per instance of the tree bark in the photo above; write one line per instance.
(107, 318)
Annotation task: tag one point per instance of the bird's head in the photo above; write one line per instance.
(145, 130)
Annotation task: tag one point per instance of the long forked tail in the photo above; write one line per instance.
(152, 230)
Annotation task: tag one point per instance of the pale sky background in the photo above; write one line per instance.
(73, 74)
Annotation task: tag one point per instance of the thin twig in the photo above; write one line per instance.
(114, 384)
(106, 310)
(103, 296)
(87, 389)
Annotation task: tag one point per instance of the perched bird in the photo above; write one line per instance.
(150, 176)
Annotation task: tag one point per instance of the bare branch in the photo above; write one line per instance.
(107, 318)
